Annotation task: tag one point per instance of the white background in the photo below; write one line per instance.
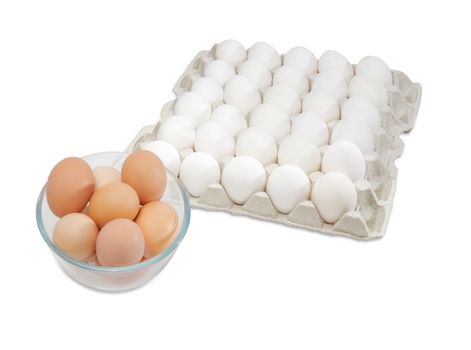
(83, 77)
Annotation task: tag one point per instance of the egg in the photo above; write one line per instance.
(331, 82)
(167, 153)
(194, 107)
(214, 139)
(113, 201)
(322, 104)
(287, 186)
(370, 89)
(120, 243)
(230, 118)
(284, 97)
(69, 186)
(358, 133)
(209, 89)
(159, 222)
(311, 125)
(241, 93)
(302, 59)
(220, 71)
(105, 175)
(178, 131)
(272, 119)
(75, 234)
(333, 60)
(344, 157)
(257, 143)
(198, 171)
(375, 68)
(146, 173)
(258, 74)
(231, 51)
(266, 54)
(301, 151)
(334, 194)
(292, 77)
(242, 177)
(362, 111)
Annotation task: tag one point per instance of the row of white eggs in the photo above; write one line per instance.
(227, 130)
(233, 53)
(318, 102)
(288, 184)
(220, 137)
(239, 92)
(205, 93)
(245, 88)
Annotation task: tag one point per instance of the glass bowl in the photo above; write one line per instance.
(116, 279)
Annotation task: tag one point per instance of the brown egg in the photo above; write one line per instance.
(159, 222)
(113, 201)
(120, 243)
(69, 186)
(105, 175)
(146, 173)
(76, 234)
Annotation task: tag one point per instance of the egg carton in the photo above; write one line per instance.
(375, 193)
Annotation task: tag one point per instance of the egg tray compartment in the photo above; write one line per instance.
(375, 193)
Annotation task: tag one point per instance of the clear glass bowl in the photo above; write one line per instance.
(116, 279)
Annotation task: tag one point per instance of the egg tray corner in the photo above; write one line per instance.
(375, 193)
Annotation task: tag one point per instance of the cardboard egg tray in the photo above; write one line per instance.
(375, 193)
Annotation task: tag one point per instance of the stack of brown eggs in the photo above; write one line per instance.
(115, 216)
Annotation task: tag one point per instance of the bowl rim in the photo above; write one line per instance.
(88, 266)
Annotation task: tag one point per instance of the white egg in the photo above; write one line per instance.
(358, 133)
(311, 125)
(241, 93)
(302, 59)
(292, 77)
(257, 73)
(214, 139)
(322, 104)
(197, 171)
(194, 107)
(266, 54)
(331, 82)
(178, 131)
(344, 157)
(242, 177)
(209, 89)
(220, 71)
(333, 60)
(375, 68)
(301, 151)
(167, 153)
(231, 51)
(370, 89)
(284, 97)
(272, 119)
(334, 194)
(287, 186)
(230, 117)
(361, 110)
(257, 143)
